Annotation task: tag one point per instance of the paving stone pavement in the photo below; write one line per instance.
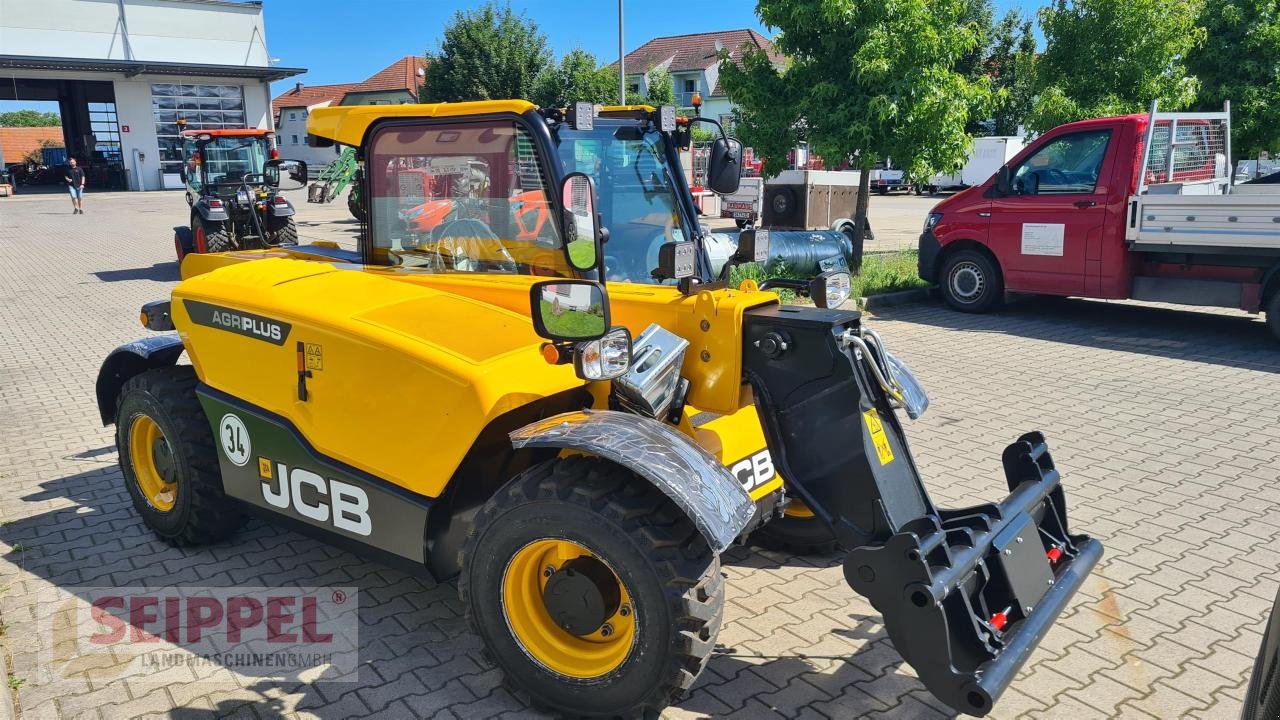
(1164, 424)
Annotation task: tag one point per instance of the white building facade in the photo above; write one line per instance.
(123, 73)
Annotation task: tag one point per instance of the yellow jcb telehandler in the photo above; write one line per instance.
(552, 395)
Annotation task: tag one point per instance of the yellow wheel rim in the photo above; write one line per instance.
(797, 509)
(153, 463)
(546, 643)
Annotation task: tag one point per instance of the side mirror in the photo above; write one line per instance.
(285, 174)
(580, 222)
(1002, 181)
(569, 310)
(724, 169)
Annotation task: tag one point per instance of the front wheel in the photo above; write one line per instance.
(283, 231)
(210, 236)
(591, 590)
(971, 282)
(168, 459)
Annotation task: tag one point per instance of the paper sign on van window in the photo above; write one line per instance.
(1042, 239)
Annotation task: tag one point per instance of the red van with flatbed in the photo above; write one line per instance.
(1132, 207)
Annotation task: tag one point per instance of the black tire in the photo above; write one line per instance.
(1273, 314)
(216, 236)
(782, 200)
(971, 282)
(799, 535)
(665, 564)
(919, 190)
(201, 512)
(882, 191)
(741, 222)
(355, 206)
(1262, 699)
(284, 231)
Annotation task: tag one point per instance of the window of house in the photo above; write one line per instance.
(633, 87)
(461, 197)
(293, 116)
(690, 85)
(295, 139)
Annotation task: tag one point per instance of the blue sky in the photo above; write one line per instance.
(342, 41)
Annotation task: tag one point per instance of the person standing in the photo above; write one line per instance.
(75, 185)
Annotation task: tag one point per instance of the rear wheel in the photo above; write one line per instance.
(355, 206)
(591, 590)
(741, 222)
(168, 460)
(799, 531)
(1273, 314)
(971, 282)
(284, 232)
(210, 237)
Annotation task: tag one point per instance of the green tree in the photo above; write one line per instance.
(866, 79)
(489, 53)
(1012, 67)
(662, 89)
(976, 14)
(29, 118)
(1108, 57)
(1240, 61)
(577, 78)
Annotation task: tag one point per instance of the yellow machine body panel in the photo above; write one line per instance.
(403, 377)
(348, 124)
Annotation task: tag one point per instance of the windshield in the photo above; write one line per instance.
(635, 184)
(228, 159)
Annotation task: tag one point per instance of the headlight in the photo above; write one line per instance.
(831, 289)
(914, 399)
(932, 220)
(606, 358)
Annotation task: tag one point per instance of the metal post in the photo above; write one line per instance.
(1231, 170)
(1146, 146)
(622, 62)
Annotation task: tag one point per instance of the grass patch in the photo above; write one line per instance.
(887, 273)
(881, 273)
(15, 682)
(573, 323)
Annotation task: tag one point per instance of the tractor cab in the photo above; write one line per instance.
(217, 161)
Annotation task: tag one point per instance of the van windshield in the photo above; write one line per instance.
(635, 182)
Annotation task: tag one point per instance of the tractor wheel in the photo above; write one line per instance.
(971, 282)
(741, 223)
(210, 237)
(285, 233)
(591, 590)
(798, 531)
(354, 206)
(1273, 315)
(168, 459)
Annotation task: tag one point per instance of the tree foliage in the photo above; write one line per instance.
(1012, 68)
(662, 89)
(29, 118)
(976, 14)
(578, 78)
(874, 78)
(1239, 61)
(1109, 57)
(489, 53)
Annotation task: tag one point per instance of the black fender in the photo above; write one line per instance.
(129, 360)
(210, 214)
(278, 210)
(694, 480)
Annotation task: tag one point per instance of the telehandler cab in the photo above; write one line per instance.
(576, 421)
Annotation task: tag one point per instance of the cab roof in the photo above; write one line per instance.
(348, 124)
(230, 132)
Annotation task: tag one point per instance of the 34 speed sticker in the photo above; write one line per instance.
(754, 470)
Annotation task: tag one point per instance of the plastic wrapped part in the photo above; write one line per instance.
(914, 399)
(694, 480)
(649, 386)
(795, 251)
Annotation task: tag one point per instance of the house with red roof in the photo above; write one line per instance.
(395, 84)
(694, 66)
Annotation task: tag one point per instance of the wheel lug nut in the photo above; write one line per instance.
(606, 630)
(549, 571)
(625, 610)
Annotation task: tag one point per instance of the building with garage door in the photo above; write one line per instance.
(123, 73)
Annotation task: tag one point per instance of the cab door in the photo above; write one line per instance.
(1042, 231)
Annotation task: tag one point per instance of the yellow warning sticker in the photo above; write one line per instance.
(315, 356)
(264, 468)
(883, 450)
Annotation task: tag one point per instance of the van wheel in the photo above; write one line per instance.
(1273, 314)
(971, 282)
(168, 459)
(591, 590)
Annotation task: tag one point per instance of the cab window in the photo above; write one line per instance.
(1068, 164)
(461, 197)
